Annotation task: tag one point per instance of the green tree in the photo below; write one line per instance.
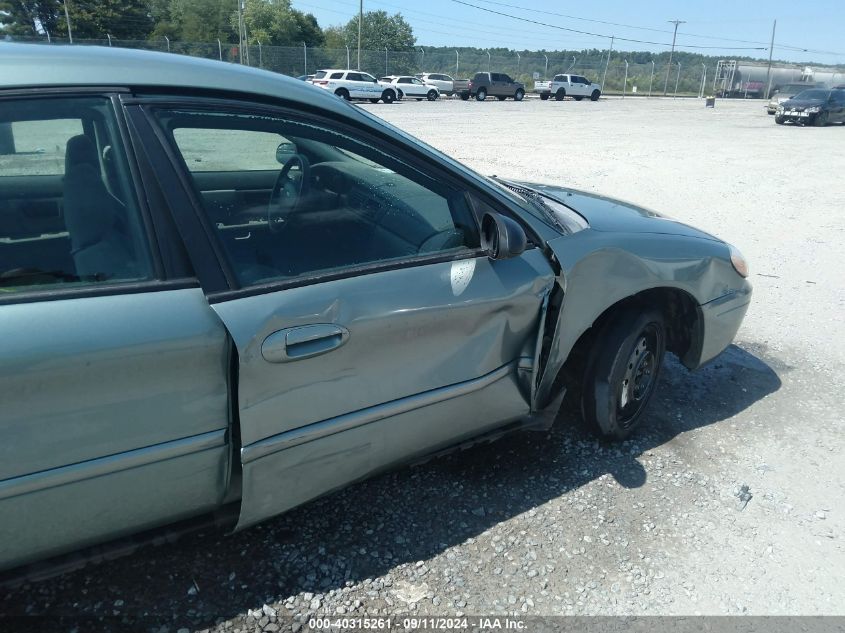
(276, 23)
(194, 20)
(28, 18)
(379, 31)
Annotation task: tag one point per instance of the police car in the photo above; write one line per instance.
(355, 84)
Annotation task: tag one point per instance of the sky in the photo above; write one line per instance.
(806, 32)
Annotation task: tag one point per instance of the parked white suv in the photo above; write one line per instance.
(563, 86)
(355, 84)
(412, 87)
(445, 84)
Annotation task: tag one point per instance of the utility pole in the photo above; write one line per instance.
(240, 33)
(671, 53)
(67, 19)
(769, 70)
(360, 20)
(606, 64)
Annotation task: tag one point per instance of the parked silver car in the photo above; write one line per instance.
(220, 287)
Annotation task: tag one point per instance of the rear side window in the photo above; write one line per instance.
(319, 74)
(354, 77)
(560, 78)
(68, 212)
(336, 76)
(480, 77)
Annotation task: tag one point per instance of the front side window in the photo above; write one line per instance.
(366, 77)
(330, 203)
(354, 77)
(68, 213)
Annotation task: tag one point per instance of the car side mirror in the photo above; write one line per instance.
(284, 151)
(502, 237)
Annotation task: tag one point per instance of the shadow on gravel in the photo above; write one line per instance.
(397, 518)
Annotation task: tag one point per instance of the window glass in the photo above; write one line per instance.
(495, 77)
(507, 79)
(405, 80)
(366, 77)
(336, 76)
(319, 74)
(228, 150)
(353, 76)
(560, 78)
(332, 202)
(68, 215)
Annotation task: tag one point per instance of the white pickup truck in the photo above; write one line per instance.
(563, 86)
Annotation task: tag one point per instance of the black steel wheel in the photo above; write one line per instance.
(623, 371)
(595, 96)
(560, 95)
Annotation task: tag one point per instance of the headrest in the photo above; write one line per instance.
(80, 151)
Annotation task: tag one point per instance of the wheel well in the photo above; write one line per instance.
(682, 317)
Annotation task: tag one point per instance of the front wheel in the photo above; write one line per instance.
(388, 96)
(821, 119)
(560, 95)
(481, 95)
(780, 120)
(432, 95)
(544, 96)
(518, 95)
(623, 371)
(595, 95)
(464, 96)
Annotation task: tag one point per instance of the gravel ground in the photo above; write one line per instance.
(728, 501)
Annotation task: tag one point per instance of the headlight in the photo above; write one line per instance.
(738, 261)
(814, 109)
(780, 108)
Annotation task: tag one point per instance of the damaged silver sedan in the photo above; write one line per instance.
(221, 287)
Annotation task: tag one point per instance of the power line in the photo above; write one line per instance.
(624, 39)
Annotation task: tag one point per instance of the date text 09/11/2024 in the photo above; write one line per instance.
(418, 623)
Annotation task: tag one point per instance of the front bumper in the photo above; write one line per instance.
(798, 117)
(721, 320)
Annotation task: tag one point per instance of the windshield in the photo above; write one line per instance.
(820, 95)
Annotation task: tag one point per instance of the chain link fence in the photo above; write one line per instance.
(616, 77)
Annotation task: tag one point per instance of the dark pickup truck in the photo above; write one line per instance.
(497, 85)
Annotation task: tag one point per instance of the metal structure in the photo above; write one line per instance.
(747, 79)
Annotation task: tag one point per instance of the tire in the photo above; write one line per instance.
(481, 95)
(770, 111)
(500, 98)
(622, 372)
(578, 98)
(821, 119)
(595, 95)
(560, 95)
(432, 95)
(373, 100)
(544, 96)
(519, 95)
(343, 93)
(388, 96)
(419, 98)
(780, 120)
(464, 96)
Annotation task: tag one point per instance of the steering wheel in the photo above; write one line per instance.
(287, 193)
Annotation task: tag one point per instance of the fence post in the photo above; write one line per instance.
(488, 61)
(703, 79)
(677, 79)
(109, 36)
(260, 56)
(651, 81)
(518, 61)
(546, 72)
(385, 61)
(219, 50)
(305, 57)
(457, 63)
(49, 41)
(168, 43)
(347, 57)
(422, 64)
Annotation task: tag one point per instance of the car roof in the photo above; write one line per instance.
(43, 65)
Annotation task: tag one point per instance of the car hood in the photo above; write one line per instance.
(607, 214)
(802, 103)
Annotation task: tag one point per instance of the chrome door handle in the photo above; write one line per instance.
(305, 341)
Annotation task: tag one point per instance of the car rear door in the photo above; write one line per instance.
(369, 326)
(113, 376)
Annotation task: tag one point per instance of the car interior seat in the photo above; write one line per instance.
(93, 217)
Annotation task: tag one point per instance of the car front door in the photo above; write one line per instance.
(369, 326)
(114, 414)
